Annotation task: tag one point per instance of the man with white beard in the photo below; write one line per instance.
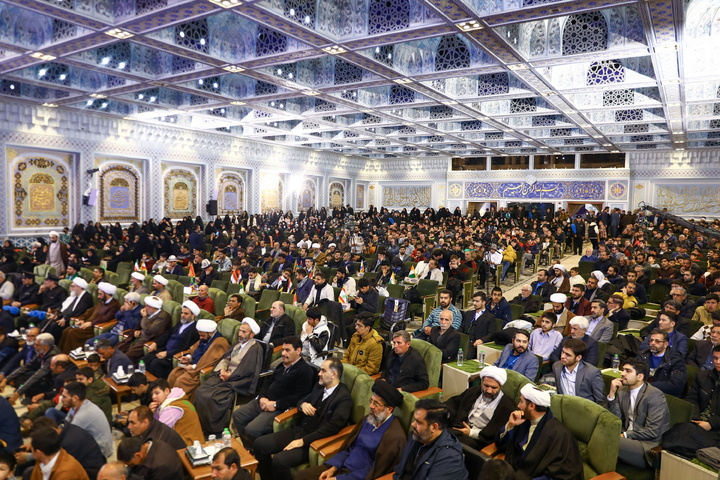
(373, 447)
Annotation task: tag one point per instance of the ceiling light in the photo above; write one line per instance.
(672, 81)
(677, 104)
(226, 3)
(469, 26)
(43, 56)
(237, 103)
(584, 125)
(105, 61)
(215, 85)
(12, 87)
(307, 18)
(119, 33)
(182, 34)
(366, 110)
(51, 105)
(128, 118)
(450, 102)
(98, 95)
(334, 50)
(518, 66)
(402, 81)
(607, 145)
(570, 112)
(121, 65)
(292, 12)
(668, 46)
(548, 94)
(88, 103)
(104, 105)
(233, 68)
(202, 41)
(615, 151)
(152, 99)
(311, 92)
(596, 136)
(63, 76)
(42, 72)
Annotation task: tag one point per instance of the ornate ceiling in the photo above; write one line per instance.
(381, 78)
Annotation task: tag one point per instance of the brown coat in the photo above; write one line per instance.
(66, 468)
(102, 312)
(188, 379)
(150, 330)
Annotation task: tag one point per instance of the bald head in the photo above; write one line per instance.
(113, 471)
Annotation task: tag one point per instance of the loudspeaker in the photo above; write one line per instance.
(211, 207)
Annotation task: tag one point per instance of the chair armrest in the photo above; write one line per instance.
(149, 344)
(285, 416)
(206, 370)
(609, 476)
(31, 306)
(277, 349)
(323, 442)
(389, 476)
(329, 450)
(376, 377)
(103, 326)
(179, 355)
(490, 450)
(127, 333)
(428, 392)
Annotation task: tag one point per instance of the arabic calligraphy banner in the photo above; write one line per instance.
(120, 190)
(689, 199)
(407, 197)
(545, 190)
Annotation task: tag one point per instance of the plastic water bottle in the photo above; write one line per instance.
(141, 367)
(227, 438)
(616, 363)
(460, 358)
(94, 345)
(481, 357)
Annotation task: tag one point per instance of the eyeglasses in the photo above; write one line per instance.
(376, 404)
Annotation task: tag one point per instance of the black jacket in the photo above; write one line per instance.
(544, 291)
(481, 329)
(282, 327)
(286, 388)
(591, 356)
(52, 299)
(703, 393)
(330, 417)
(159, 431)
(682, 326)
(27, 294)
(448, 343)
(161, 463)
(460, 406)
(83, 447)
(700, 353)
(410, 374)
(621, 317)
(670, 375)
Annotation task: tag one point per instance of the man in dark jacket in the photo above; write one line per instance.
(278, 326)
(542, 286)
(36, 375)
(142, 423)
(445, 337)
(479, 324)
(666, 367)
(405, 368)
(159, 359)
(499, 307)
(526, 300)
(151, 460)
(432, 452)
(291, 381)
(323, 412)
(702, 355)
(366, 298)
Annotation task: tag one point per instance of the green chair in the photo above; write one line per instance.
(433, 363)
(657, 293)
(596, 430)
(174, 309)
(395, 291)
(86, 273)
(298, 315)
(233, 288)
(586, 267)
(517, 311)
(465, 343)
(694, 326)
(219, 300)
(287, 298)
(248, 305)
(184, 280)
(220, 285)
(42, 271)
(123, 274)
(515, 381)
(176, 290)
(93, 291)
(267, 298)
(602, 348)
(428, 293)
(65, 284)
(228, 328)
(113, 278)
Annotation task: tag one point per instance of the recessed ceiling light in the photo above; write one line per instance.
(334, 50)
(469, 26)
(672, 81)
(584, 125)
(233, 68)
(43, 56)
(128, 118)
(367, 110)
(402, 81)
(226, 3)
(119, 33)
(548, 94)
(677, 104)
(98, 95)
(615, 151)
(51, 105)
(237, 103)
(607, 145)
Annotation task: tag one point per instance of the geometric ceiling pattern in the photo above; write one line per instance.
(381, 78)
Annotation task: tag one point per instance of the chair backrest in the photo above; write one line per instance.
(517, 311)
(123, 274)
(93, 291)
(404, 413)
(40, 272)
(350, 374)
(427, 287)
(205, 315)
(120, 295)
(220, 284)
(395, 291)
(432, 357)
(586, 267)
(173, 309)
(298, 315)
(219, 300)
(184, 280)
(680, 410)
(267, 297)
(465, 343)
(248, 305)
(658, 292)
(112, 277)
(602, 348)
(694, 326)
(287, 298)
(595, 428)
(361, 393)
(176, 290)
(233, 288)
(515, 381)
(228, 328)
(65, 283)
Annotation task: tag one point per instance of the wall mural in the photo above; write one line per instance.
(40, 199)
(336, 195)
(231, 193)
(360, 197)
(406, 197)
(271, 192)
(307, 195)
(120, 187)
(545, 190)
(688, 199)
(618, 190)
(181, 191)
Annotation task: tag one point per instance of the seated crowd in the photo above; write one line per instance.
(198, 368)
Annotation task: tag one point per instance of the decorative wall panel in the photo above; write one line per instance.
(618, 191)
(546, 190)
(360, 197)
(181, 190)
(336, 197)
(696, 200)
(39, 198)
(231, 192)
(120, 186)
(307, 195)
(455, 190)
(271, 192)
(407, 197)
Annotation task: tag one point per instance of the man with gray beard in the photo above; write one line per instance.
(373, 447)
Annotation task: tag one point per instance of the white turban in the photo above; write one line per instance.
(160, 279)
(315, 245)
(559, 266)
(172, 258)
(253, 325)
(108, 288)
(206, 325)
(138, 276)
(496, 373)
(80, 282)
(192, 306)
(535, 395)
(54, 233)
(558, 298)
(154, 302)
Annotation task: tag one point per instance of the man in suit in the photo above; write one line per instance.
(278, 326)
(35, 375)
(702, 354)
(445, 337)
(405, 369)
(577, 303)
(477, 414)
(578, 329)
(479, 324)
(599, 327)
(573, 376)
(666, 367)
(616, 312)
(323, 412)
(517, 357)
(542, 286)
(667, 322)
(643, 411)
(150, 460)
